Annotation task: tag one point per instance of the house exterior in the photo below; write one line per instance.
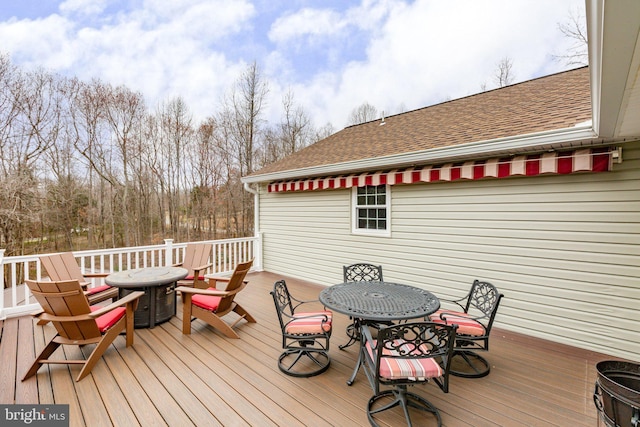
(534, 187)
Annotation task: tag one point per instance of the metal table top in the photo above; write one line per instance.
(379, 301)
(144, 277)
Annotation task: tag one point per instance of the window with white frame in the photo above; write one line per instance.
(371, 210)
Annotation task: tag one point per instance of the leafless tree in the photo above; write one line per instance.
(575, 29)
(296, 125)
(89, 156)
(177, 134)
(363, 113)
(206, 179)
(125, 111)
(323, 132)
(29, 125)
(293, 133)
(243, 111)
(504, 75)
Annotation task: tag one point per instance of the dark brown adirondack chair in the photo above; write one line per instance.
(63, 266)
(196, 260)
(67, 308)
(211, 304)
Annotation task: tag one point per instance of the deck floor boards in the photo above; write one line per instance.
(168, 378)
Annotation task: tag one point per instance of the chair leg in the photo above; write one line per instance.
(243, 313)
(101, 347)
(469, 364)
(129, 326)
(317, 357)
(44, 355)
(186, 313)
(405, 400)
(221, 326)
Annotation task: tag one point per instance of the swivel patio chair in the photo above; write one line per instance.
(404, 355)
(63, 266)
(67, 308)
(360, 272)
(196, 260)
(305, 334)
(474, 315)
(211, 304)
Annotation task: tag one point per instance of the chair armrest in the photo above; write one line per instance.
(368, 360)
(52, 318)
(197, 282)
(299, 302)
(216, 279)
(127, 299)
(444, 314)
(456, 302)
(210, 292)
(95, 275)
(203, 267)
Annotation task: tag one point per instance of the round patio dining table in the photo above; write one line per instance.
(374, 301)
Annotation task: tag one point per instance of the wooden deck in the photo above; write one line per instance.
(167, 378)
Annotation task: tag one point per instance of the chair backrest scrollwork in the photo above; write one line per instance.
(362, 272)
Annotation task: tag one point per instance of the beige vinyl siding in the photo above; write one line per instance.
(565, 250)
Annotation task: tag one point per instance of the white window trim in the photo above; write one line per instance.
(354, 216)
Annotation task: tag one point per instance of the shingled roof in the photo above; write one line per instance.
(545, 104)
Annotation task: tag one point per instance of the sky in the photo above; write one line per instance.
(332, 55)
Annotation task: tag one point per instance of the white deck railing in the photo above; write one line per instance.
(15, 298)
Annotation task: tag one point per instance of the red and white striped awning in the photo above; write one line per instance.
(584, 160)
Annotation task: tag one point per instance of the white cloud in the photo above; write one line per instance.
(84, 7)
(306, 22)
(427, 52)
(334, 58)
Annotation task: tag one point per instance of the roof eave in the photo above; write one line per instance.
(580, 135)
(614, 57)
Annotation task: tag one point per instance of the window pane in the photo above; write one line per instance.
(371, 209)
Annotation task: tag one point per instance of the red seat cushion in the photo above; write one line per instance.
(315, 322)
(92, 291)
(191, 276)
(109, 319)
(466, 326)
(208, 302)
(416, 369)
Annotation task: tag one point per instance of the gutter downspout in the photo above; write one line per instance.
(256, 226)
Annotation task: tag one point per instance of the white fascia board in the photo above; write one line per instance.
(547, 140)
(613, 32)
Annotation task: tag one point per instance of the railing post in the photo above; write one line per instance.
(258, 252)
(2, 315)
(168, 252)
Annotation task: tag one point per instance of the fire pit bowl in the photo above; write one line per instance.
(617, 393)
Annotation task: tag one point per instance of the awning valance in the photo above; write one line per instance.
(584, 160)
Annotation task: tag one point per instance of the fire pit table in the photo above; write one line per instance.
(158, 304)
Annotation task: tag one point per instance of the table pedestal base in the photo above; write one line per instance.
(157, 305)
